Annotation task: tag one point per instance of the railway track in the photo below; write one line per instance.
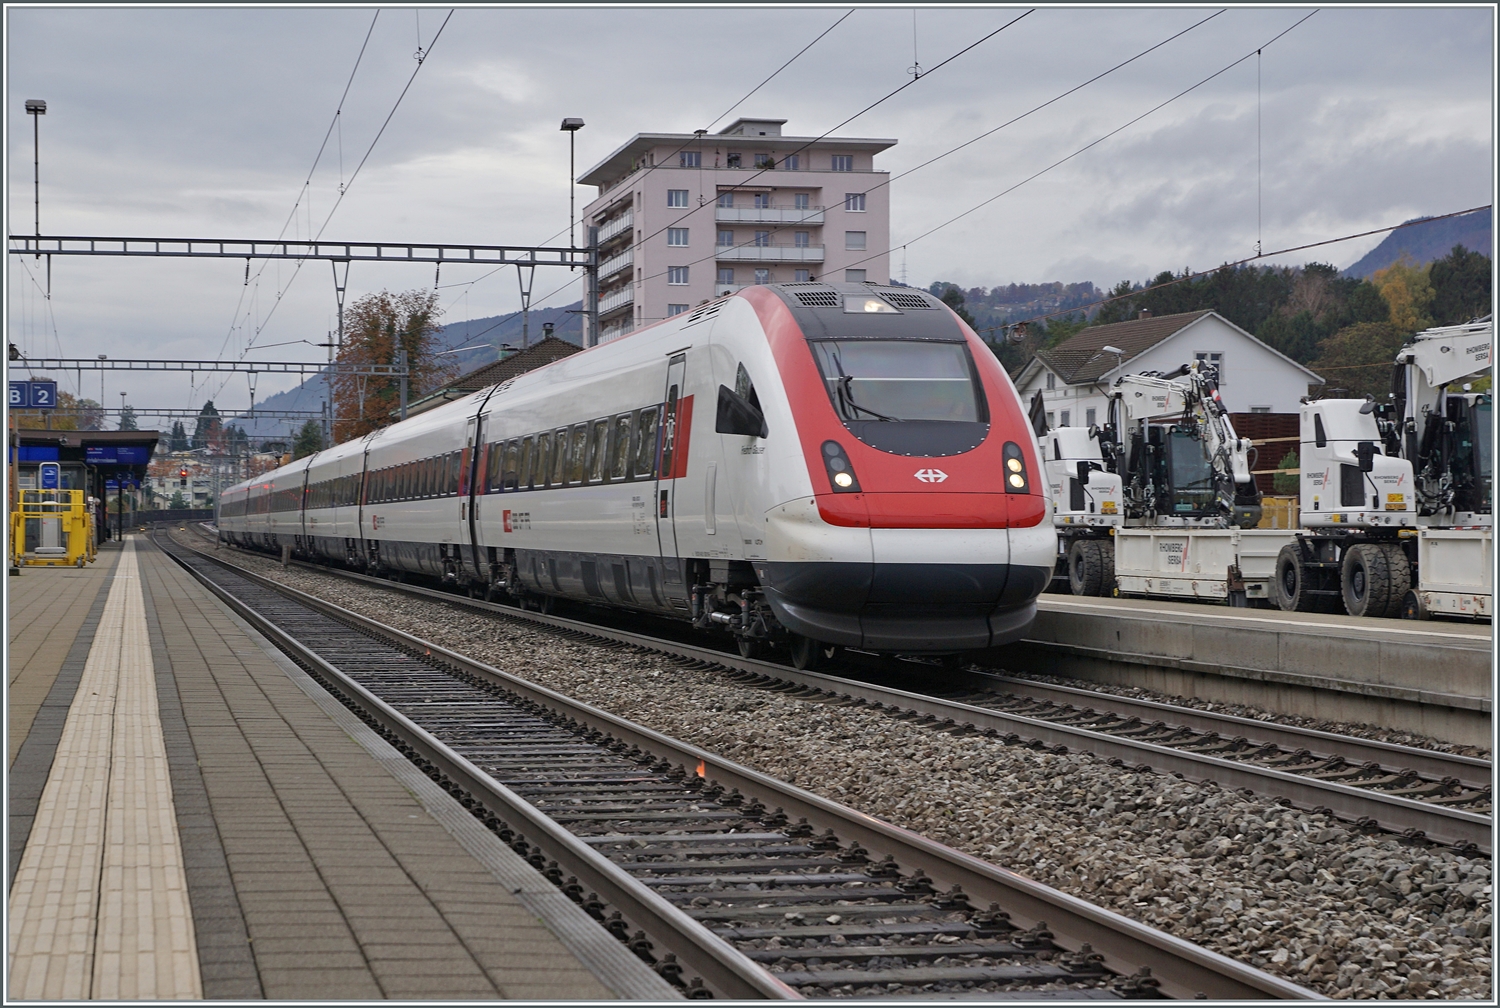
(727, 881)
(1422, 795)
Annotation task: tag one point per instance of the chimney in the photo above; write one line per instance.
(547, 330)
(1145, 313)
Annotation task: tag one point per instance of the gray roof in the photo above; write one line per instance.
(1080, 359)
(623, 160)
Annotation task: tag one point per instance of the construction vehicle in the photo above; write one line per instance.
(1395, 502)
(1161, 500)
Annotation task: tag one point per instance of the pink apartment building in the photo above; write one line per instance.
(686, 217)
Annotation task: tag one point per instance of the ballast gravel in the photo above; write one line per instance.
(1293, 893)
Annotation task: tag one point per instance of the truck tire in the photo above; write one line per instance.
(1091, 571)
(1289, 587)
(1374, 578)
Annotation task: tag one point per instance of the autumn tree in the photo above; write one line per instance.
(209, 425)
(377, 327)
(1407, 289)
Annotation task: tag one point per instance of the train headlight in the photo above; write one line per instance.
(1015, 466)
(864, 304)
(840, 472)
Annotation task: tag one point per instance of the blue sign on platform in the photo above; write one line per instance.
(96, 455)
(117, 454)
(51, 475)
(33, 394)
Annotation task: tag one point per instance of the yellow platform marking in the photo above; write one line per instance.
(99, 907)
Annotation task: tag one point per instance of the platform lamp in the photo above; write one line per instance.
(36, 108)
(571, 127)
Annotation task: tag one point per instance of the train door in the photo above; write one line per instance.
(675, 423)
(470, 491)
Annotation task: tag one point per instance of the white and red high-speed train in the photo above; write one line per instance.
(824, 464)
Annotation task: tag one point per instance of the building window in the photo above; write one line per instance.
(1067, 418)
(801, 276)
(843, 162)
(800, 201)
(799, 238)
(726, 238)
(1049, 420)
(726, 199)
(854, 276)
(854, 202)
(854, 241)
(762, 276)
(762, 200)
(1090, 417)
(762, 238)
(688, 159)
(676, 309)
(677, 236)
(677, 275)
(1213, 358)
(677, 197)
(732, 160)
(726, 275)
(792, 162)
(1260, 409)
(1051, 381)
(765, 161)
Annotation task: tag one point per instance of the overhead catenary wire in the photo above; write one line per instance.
(1088, 146)
(976, 139)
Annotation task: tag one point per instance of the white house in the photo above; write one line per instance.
(1074, 375)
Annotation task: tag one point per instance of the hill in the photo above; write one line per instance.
(1425, 243)
(476, 340)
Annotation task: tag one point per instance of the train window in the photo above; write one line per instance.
(559, 458)
(492, 459)
(455, 468)
(511, 471)
(576, 459)
(523, 466)
(619, 448)
(744, 387)
(598, 451)
(645, 441)
(408, 481)
(542, 468)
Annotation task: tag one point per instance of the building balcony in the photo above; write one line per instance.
(615, 264)
(770, 253)
(811, 216)
(617, 299)
(616, 226)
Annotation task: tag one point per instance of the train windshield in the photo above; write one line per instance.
(911, 397)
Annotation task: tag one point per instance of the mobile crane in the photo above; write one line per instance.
(1395, 497)
(1161, 500)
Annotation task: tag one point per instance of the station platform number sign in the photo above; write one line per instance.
(33, 394)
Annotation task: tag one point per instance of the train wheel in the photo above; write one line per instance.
(1412, 607)
(1091, 568)
(546, 604)
(1374, 579)
(749, 647)
(808, 654)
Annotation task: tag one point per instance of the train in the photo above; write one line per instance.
(806, 466)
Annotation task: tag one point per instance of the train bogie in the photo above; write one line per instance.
(839, 463)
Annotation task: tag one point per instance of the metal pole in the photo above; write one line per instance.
(401, 362)
(572, 193)
(36, 174)
(591, 299)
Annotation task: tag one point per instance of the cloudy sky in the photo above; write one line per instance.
(205, 123)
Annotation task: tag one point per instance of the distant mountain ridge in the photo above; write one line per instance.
(477, 340)
(1427, 242)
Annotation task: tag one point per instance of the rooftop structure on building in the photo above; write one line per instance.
(686, 217)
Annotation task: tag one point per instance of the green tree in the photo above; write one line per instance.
(1359, 358)
(128, 419)
(178, 502)
(1288, 483)
(208, 426)
(1460, 286)
(954, 298)
(178, 442)
(309, 440)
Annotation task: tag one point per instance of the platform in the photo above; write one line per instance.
(1432, 677)
(193, 818)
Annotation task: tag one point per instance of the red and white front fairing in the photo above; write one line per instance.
(928, 547)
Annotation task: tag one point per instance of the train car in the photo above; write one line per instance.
(824, 465)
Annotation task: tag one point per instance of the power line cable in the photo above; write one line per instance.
(778, 70)
(1085, 147)
(987, 133)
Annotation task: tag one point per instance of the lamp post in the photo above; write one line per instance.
(570, 127)
(36, 108)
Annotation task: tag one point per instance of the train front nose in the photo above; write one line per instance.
(920, 591)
